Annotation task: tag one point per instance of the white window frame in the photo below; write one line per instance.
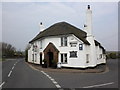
(41, 44)
(64, 41)
(100, 56)
(73, 44)
(64, 61)
(32, 57)
(87, 58)
(75, 54)
(35, 57)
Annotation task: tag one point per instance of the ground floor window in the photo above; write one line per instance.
(87, 58)
(64, 58)
(32, 57)
(73, 54)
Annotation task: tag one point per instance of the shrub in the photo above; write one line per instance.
(113, 55)
(54, 63)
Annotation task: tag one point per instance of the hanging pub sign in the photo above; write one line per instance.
(80, 46)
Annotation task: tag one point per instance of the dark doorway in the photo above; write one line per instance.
(40, 58)
(50, 55)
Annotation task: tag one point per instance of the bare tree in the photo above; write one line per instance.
(7, 49)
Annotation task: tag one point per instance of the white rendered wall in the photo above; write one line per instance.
(79, 62)
(56, 40)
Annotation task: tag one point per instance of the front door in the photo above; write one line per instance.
(50, 55)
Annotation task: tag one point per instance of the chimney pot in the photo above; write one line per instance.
(40, 23)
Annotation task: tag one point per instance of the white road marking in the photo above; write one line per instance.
(14, 64)
(12, 67)
(2, 84)
(58, 86)
(49, 77)
(60, 89)
(53, 80)
(99, 85)
(9, 73)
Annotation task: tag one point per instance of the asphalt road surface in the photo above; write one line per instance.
(17, 74)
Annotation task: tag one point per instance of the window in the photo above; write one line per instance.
(72, 38)
(35, 57)
(87, 58)
(64, 58)
(41, 44)
(35, 47)
(32, 57)
(73, 44)
(63, 41)
(73, 54)
(100, 56)
(80, 46)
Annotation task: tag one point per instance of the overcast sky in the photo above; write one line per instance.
(20, 21)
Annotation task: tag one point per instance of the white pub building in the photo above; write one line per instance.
(67, 45)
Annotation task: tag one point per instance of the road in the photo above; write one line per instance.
(23, 76)
(17, 74)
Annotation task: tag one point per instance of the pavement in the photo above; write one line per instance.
(98, 69)
(16, 73)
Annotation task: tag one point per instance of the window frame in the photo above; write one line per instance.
(32, 57)
(75, 54)
(100, 56)
(35, 57)
(64, 41)
(64, 58)
(73, 44)
(87, 58)
(41, 44)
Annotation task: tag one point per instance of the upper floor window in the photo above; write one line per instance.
(63, 41)
(35, 48)
(64, 58)
(41, 44)
(73, 54)
(80, 46)
(73, 44)
(100, 56)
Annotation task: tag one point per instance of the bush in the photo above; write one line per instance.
(113, 55)
(54, 64)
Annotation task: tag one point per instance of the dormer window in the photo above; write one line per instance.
(63, 41)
